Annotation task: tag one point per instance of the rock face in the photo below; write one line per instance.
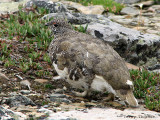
(19, 100)
(94, 9)
(5, 6)
(130, 11)
(53, 7)
(131, 44)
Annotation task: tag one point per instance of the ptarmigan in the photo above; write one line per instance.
(88, 63)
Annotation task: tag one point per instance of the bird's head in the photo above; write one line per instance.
(59, 26)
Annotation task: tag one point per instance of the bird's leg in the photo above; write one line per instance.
(110, 97)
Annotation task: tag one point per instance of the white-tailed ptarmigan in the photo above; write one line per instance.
(88, 63)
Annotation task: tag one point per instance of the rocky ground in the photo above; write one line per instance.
(23, 97)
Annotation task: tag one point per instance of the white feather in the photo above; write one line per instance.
(100, 84)
(129, 82)
(62, 73)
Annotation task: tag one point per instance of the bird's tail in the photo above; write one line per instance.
(128, 98)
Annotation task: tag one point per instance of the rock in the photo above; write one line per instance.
(127, 1)
(154, 67)
(3, 77)
(41, 80)
(58, 90)
(152, 31)
(94, 9)
(131, 66)
(53, 7)
(131, 44)
(145, 4)
(124, 21)
(5, 1)
(129, 11)
(72, 18)
(106, 114)
(148, 14)
(59, 98)
(125, 40)
(25, 92)
(44, 110)
(19, 100)
(7, 114)
(11, 6)
(154, 8)
(13, 93)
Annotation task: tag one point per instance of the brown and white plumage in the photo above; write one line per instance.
(88, 63)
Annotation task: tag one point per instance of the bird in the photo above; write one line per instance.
(88, 63)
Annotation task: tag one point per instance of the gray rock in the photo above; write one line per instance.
(53, 7)
(6, 1)
(2, 112)
(131, 44)
(62, 118)
(19, 100)
(154, 67)
(7, 114)
(58, 90)
(145, 4)
(11, 6)
(77, 7)
(126, 41)
(25, 92)
(75, 18)
(127, 1)
(3, 78)
(129, 11)
(59, 98)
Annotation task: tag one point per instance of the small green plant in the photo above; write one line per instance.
(27, 28)
(49, 86)
(81, 28)
(5, 49)
(147, 87)
(46, 58)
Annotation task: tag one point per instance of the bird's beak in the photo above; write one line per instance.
(47, 24)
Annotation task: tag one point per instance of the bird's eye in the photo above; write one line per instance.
(55, 25)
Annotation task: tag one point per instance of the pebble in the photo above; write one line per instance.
(58, 90)
(41, 80)
(57, 96)
(44, 110)
(25, 92)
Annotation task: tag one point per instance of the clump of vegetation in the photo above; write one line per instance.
(157, 1)
(147, 87)
(81, 28)
(29, 39)
(109, 5)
